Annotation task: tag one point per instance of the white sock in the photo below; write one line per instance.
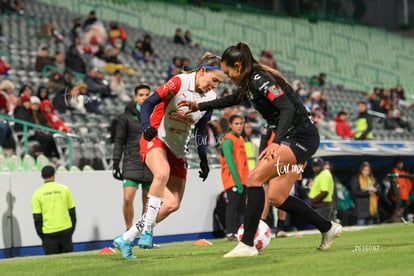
(153, 207)
(147, 221)
(133, 232)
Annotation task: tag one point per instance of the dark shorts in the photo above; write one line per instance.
(303, 145)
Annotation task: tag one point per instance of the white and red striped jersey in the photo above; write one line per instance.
(174, 128)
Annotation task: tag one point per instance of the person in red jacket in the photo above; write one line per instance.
(54, 121)
(117, 36)
(343, 129)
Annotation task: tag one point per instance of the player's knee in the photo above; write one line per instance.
(173, 206)
(253, 179)
(161, 176)
(276, 200)
(128, 202)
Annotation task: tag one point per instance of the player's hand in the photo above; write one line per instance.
(269, 152)
(150, 133)
(203, 173)
(192, 106)
(116, 171)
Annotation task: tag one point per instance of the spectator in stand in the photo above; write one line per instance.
(298, 87)
(98, 60)
(374, 100)
(24, 112)
(25, 90)
(363, 190)
(147, 48)
(91, 103)
(43, 59)
(178, 37)
(385, 102)
(7, 100)
(74, 60)
(59, 61)
(93, 46)
(117, 86)
(343, 129)
(323, 104)
(56, 83)
(117, 36)
(314, 81)
(138, 52)
(322, 79)
(174, 68)
(111, 55)
(95, 83)
(255, 121)
(266, 57)
(4, 67)
(52, 119)
(61, 101)
(89, 21)
(37, 115)
(188, 39)
(55, 35)
(186, 64)
(75, 101)
(42, 93)
(363, 126)
(393, 121)
(76, 31)
(403, 186)
(5, 133)
(226, 113)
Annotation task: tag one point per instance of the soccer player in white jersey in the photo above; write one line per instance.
(164, 145)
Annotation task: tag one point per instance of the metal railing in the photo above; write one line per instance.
(26, 126)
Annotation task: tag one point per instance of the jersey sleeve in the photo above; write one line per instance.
(70, 200)
(169, 89)
(264, 85)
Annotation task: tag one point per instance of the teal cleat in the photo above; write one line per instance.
(146, 240)
(125, 246)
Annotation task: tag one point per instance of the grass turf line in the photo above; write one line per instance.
(384, 250)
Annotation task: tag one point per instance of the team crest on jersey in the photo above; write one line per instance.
(150, 144)
(276, 91)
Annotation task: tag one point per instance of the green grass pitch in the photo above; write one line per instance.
(381, 250)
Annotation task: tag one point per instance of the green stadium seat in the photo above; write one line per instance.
(41, 161)
(28, 163)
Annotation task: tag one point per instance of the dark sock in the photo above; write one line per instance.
(300, 209)
(254, 207)
(280, 224)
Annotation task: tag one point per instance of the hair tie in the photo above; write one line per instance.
(211, 67)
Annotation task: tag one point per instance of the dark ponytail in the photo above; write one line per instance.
(242, 53)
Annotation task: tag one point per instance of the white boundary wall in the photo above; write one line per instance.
(98, 198)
